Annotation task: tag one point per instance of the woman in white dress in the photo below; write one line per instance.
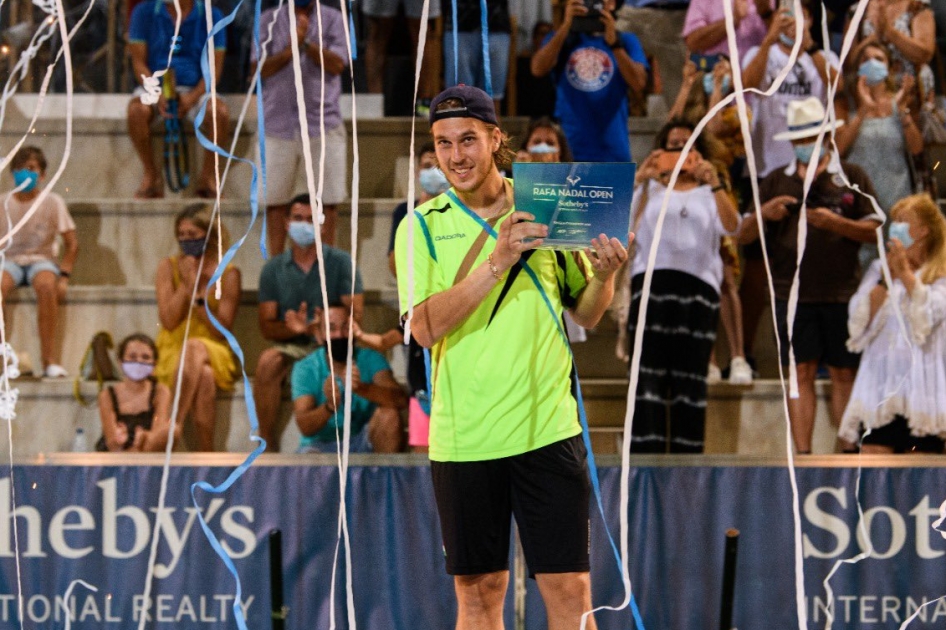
(899, 398)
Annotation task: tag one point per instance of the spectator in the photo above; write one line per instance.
(899, 390)
(704, 28)
(31, 254)
(284, 151)
(136, 412)
(808, 77)
(150, 35)
(183, 302)
(464, 63)
(880, 119)
(290, 303)
(591, 100)
(430, 183)
(700, 91)
(684, 292)
(318, 404)
(381, 19)
(546, 142)
(839, 221)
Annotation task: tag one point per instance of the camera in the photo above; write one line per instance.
(591, 21)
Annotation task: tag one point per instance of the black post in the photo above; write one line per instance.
(277, 611)
(729, 579)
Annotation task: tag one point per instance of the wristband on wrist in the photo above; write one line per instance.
(65, 274)
(617, 45)
(718, 187)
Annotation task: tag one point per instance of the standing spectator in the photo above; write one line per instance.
(150, 32)
(284, 158)
(839, 221)
(808, 77)
(290, 303)
(880, 119)
(318, 402)
(381, 19)
(684, 292)
(32, 253)
(704, 28)
(899, 391)
(592, 74)
(464, 63)
(136, 412)
(209, 364)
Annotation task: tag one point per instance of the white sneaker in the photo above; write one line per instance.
(713, 375)
(54, 370)
(740, 372)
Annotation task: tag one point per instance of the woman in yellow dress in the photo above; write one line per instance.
(209, 363)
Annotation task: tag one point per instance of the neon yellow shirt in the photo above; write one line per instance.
(501, 380)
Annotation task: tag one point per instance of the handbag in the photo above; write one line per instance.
(97, 365)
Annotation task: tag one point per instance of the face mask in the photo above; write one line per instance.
(302, 233)
(709, 83)
(339, 348)
(433, 181)
(193, 247)
(25, 175)
(900, 230)
(137, 371)
(804, 152)
(542, 148)
(788, 41)
(873, 70)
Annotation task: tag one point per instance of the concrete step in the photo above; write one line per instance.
(121, 241)
(740, 420)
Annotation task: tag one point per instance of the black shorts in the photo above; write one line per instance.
(897, 436)
(548, 491)
(820, 334)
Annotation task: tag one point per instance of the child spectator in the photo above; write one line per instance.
(209, 363)
(135, 412)
(32, 253)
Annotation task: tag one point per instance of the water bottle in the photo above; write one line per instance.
(80, 443)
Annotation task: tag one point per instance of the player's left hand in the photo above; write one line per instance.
(607, 255)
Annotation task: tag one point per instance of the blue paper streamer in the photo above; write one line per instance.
(456, 46)
(231, 339)
(484, 32)
(585, 433)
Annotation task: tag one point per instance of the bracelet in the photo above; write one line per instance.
(718, 188)
(618, 45)
(493, 269)
(65, 274)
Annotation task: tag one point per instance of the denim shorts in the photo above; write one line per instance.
(359, 443)
(23, 274)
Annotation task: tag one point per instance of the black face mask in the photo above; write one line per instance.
(339, 347)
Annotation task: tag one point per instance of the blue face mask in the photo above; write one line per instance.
(302, 233)
(25, 175)
(804, 152)
(543, 148)
(900, 230)
(709, 83)
(873, 70)
(193, 247)
(788, 41)
(433, 181)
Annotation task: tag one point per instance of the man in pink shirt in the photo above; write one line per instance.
(704, 29)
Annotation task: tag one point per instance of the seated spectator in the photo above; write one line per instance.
(880, 118)
(810, 75)
(381, 16)
(430, 182)
(838, 222)
(546, 142)
(463, 62)
(591, 100)
(136, 412)
(150, 35)
(318, 402)
(183, 299)
(704, 28)
(898, 396)
(684, 297)
(320, 34)
(290, 298)
(32, 254)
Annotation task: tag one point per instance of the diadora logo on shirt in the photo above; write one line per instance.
(447, 237)
(589, 69)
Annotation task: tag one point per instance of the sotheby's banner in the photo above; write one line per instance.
(95, 524)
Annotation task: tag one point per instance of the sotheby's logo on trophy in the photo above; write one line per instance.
(577, 200)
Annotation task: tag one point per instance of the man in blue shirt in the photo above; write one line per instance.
(376, 400)
(592, 73)
(151, 35)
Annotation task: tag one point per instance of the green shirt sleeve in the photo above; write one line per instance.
(427, 276)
